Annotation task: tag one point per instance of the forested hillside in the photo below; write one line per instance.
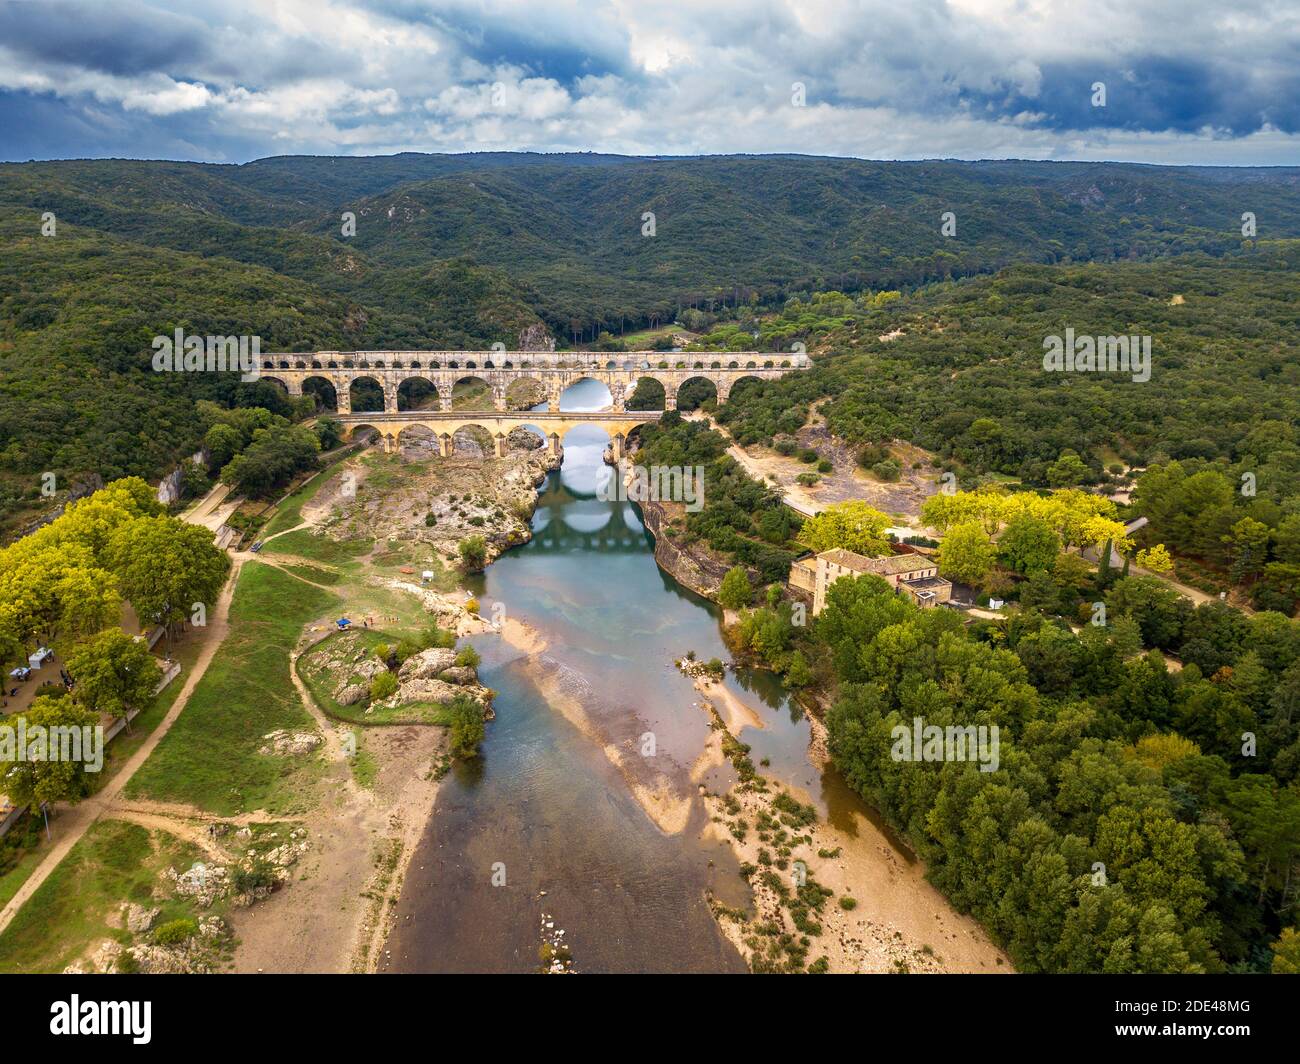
(467, 250)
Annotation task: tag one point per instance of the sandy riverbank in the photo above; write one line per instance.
(900, 922)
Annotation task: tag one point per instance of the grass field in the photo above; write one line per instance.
(210, 758)
(115, 862)
(306, 544)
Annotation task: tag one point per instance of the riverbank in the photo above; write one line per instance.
(864, 907)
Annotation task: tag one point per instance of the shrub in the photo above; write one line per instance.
(473, 553)
(174, 932)
(434, 636)
(807, 479)
(382, 686)
(825, 466)
(259, 875)
(468, 656)
(467, 730)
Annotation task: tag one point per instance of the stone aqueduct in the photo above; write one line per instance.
(554, 370)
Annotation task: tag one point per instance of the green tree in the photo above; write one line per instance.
(166, 567)
(113, 673)
(32, 781)
(1028, 545)
(1067, 470)
(736, 591)
(382, 686)
(966, 553)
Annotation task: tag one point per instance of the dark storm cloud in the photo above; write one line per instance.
(1186, 80)
(113, 38)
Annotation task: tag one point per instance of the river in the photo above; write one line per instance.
(545, 824)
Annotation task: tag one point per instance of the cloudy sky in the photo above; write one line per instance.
(1188, 81)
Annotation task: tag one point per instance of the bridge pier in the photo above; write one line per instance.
(616, 446)
(500, 441)
(446, 445)
(553, 444)
(343, 398)
(390, 399)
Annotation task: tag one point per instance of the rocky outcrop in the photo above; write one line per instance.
(536, 337)
(426, 664)
(285, 743)
(693, 565)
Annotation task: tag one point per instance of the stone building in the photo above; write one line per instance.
(915, 574)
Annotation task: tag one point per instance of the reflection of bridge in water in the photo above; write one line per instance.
(569, 522)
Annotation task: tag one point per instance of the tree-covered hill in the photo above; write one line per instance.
(465, 250)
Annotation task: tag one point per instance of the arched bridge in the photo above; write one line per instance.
(444, 426)
(554, 370)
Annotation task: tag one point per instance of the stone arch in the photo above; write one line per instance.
(471, 391)
(327, 396)
(417, 393)
(650, 393)
(471, 440)
(744, 382)
(368, 398)
(695, 391)
(359, 431)
(284, 385)
(525, 392)
(420, 440)
(578, 378)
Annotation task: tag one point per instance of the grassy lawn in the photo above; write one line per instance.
(316, 574)
(24, 846)
(114, 863)
(306, 544)
(210, 758)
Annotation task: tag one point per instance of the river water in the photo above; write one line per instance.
(545, 825)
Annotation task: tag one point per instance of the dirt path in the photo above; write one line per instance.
(74, 821)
